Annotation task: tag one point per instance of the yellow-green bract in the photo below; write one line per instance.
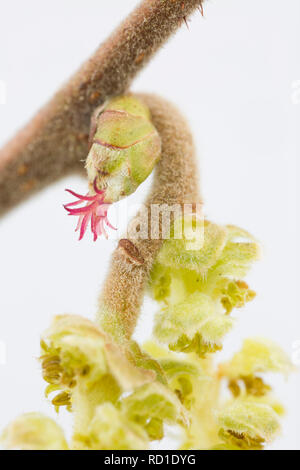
(198, 288)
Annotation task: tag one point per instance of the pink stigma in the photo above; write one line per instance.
(95, 211)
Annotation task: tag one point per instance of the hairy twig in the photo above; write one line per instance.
(56, 140)
(175, 183)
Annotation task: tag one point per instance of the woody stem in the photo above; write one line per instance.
(55, 141)
(175, 183)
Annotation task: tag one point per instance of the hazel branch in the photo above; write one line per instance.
(55, 141)
(175, 183)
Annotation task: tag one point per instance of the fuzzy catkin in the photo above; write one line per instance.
(175, 182)
(55, 141)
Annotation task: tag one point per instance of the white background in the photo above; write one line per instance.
(232, 75)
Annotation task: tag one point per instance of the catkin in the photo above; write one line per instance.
(175, 182)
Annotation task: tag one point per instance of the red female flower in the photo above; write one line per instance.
(95, 211)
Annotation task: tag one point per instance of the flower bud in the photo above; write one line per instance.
(125, 146)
